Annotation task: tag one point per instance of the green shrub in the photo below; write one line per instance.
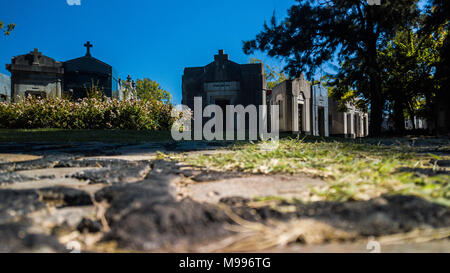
(87, 113)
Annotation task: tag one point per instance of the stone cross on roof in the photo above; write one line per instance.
(88, 46)
(221, 57)
(36, 55)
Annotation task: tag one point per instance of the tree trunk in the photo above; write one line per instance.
(376, 114)
(399, 117)
(376, 100)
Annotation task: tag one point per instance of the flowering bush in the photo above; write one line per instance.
(87, 113)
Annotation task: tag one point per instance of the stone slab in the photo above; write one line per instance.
(285, 186)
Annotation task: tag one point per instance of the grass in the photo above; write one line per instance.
(60, 135)
(354, 169)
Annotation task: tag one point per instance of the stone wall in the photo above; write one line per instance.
(5, 87)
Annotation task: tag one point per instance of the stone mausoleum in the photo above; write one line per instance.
(5, 87)
(302, 108)
(224, 82)
(38, 75)
(353, 122)
(82, 72)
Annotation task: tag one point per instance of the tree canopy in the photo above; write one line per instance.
(274, 75)
(6, 29)
(350, 32)
(148, 90)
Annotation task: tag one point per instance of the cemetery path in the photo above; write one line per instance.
(127, 197)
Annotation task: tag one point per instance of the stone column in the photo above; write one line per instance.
(367, 124)
(307, 116)
(344, 116)
(58, 89)
(352, 125)
(294, 114)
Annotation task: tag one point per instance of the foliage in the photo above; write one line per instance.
(409, 63)
(6, 29)
(354, 170)
(149, 90)
(438, 19)
(274, 75)
(87, 113)
(94, 91)
(317, 32)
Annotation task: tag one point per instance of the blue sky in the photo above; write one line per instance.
(143, 38)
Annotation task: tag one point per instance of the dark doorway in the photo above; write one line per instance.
(300, 118)
(349, 125)
(364, 126)
(330, 123)
(321, 120)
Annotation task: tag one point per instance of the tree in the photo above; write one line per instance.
(6, 29)
(409, 66)
(348, 31)
(437, 21)
(147, 89)
(274, 75)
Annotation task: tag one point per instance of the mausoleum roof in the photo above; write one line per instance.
(34, 61)
(87, 63)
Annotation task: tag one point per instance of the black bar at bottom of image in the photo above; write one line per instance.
(226, 262)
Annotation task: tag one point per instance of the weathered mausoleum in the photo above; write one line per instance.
(81, 73)
(224, 82)
(5, 87)
(308, 110)
(35, 74)
(353, 122)
(38, 75)
(302, 108)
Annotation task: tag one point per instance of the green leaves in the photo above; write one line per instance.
(7, 30)
(274, 75)
(149, 90)
(88, 113)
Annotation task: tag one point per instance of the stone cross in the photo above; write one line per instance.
(221, 56)
(88, 46)
(36, 55)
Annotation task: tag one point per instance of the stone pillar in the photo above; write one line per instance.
(314, 118)
(294, 114)
(352, 125)
(367, 124)
(307, 116)
(344, 116)
(58, 89)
